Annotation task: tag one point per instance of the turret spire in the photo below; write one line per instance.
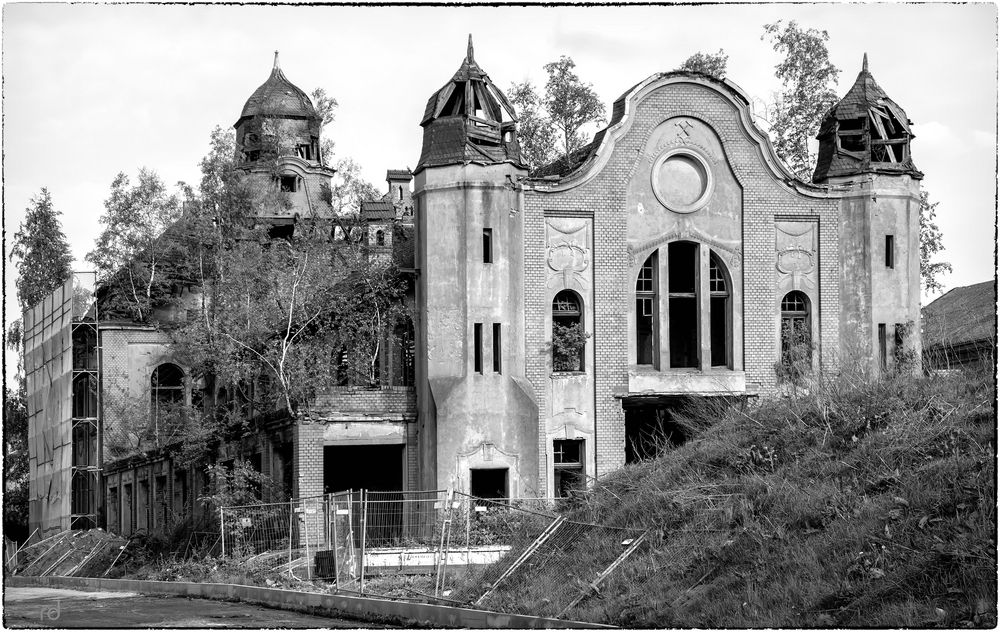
(864, 63)
(469, 54)
(276, 66)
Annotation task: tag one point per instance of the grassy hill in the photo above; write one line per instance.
(868, 503)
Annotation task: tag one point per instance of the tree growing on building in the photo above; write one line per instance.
(132, 255)
(712, 64)
(930, 245)
(535, 133)
(809, 83)
(570, 104)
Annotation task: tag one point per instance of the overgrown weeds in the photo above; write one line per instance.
(864, 503)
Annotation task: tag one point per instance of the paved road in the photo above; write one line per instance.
(63, 608)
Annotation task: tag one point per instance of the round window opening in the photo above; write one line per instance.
(682, 181)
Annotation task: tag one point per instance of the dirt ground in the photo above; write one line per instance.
(62, 608)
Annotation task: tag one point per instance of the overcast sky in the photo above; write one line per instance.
(92, 90)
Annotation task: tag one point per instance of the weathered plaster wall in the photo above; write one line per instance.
(464, 412)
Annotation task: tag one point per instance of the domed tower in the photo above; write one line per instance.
(278, 143)
(864, 152)
(479, 420)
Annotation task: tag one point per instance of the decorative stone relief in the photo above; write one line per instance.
(796, 255)
(568, 252)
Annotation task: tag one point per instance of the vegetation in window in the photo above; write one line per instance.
(568, 342)
(796, 355)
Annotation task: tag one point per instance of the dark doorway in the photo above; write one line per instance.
(488, 483)
(650, 428)
(378, 469)
(371, 467)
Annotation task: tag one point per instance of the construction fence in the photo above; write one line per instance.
(443, 546)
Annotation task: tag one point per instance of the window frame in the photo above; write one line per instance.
(576, 316)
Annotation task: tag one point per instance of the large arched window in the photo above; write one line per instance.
(796, 330)
(646, 312)
(569, 339)
(697, 325)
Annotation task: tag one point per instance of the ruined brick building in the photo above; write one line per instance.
(563, 315)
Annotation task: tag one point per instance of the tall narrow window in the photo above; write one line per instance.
(883, 356)
(645, 311)
(477, 343)
(166, 392)
(796, 335)
(497, 348)
(379, 238)
(487, 245)
(890, 254)
(682, 264)
(567, 466)
(719, 312)
(569, 340)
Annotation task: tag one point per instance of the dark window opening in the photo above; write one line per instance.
(646, 312)
(405, 340)
(253, 155)
(399, 194)
(487, 245)
(568, 476)
(685, 345)
(683, 265)
(379, 238)
(651, 429)
(488, 484)
(890, 254)
(84, 445)
(569, 340)
(85, 396)
(84, 348)
(477, 344)
(684, 342)
(304, 152)
(883, 358)
(288, 184)
(281, 231)
(497, 348)
(719, 312)
(166, 394)
(796, 334)
(343, 367)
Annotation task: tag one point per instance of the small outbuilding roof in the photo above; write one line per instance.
(961, 315)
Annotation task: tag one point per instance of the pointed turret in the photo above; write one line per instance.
(865, 132)
(469, 120)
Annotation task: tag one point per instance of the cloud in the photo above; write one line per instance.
(935, 135)
(984, 138)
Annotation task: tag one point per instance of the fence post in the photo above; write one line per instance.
(222, 529)
(441, 559)
(291, 534)
(364, 534)
(305, 534)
